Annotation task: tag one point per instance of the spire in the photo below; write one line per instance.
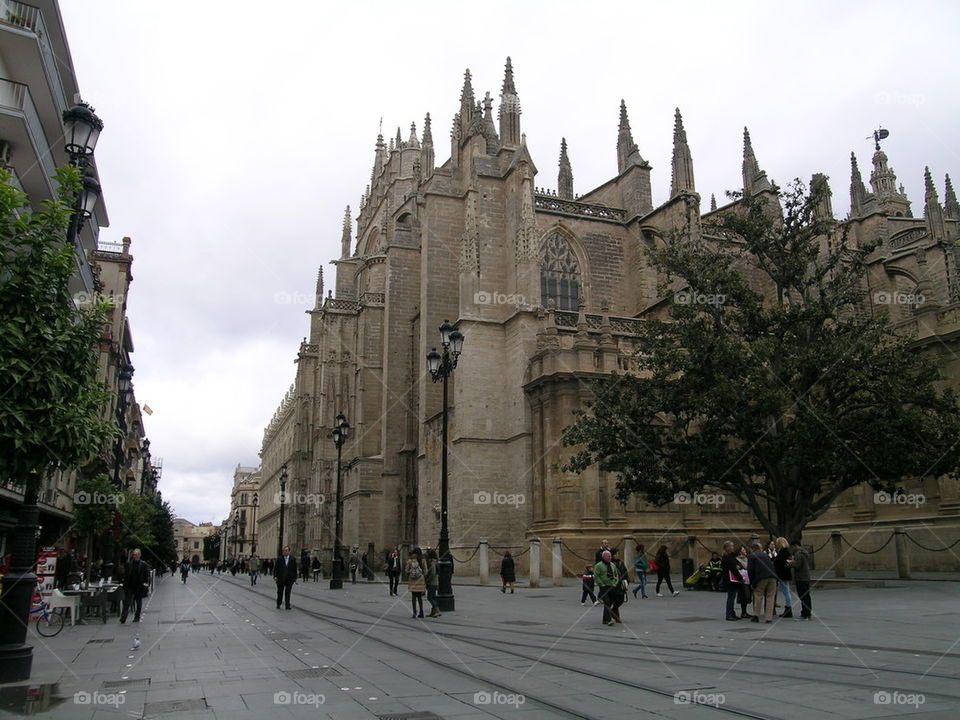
(319, 287)
(754, 179)
(468, 107)
(380, 158)
(858, 193)
(565, 178)
(509, 111)
(950, 206)
(932, 210)
(682, 161)
(398, 144)
(413, 142)
(345, 237)
(713, 202)
(627, 152)
(426, 157)
(820, 190)
(489, 129)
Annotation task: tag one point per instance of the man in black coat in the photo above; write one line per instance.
(136, 584)
(285, 575)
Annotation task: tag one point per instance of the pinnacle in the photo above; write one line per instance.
(467, 92)
(508, 86)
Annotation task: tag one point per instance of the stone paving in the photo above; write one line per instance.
(218, 648)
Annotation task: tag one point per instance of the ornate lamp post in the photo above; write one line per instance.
(341, 429)
(283, 500)
(253, 544)
(441, 367)
(81, 131)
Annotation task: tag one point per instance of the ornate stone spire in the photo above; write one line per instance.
(858, 191)
(950, 206)
(682, 167)
(754, 179)
(884, 183)
(345, 236)
(413, 142)
(565, 177)
(427, 157)
(319, 300)
(931, 208)
(468, 107)
(489, 129)
(398, 143)
(820, 188)
(380, 158)
(713, 202)
(627, 152)
(509, 111)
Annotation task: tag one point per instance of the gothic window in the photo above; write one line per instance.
(559, 274)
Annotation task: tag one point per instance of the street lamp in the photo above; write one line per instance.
(253, 548)
(341, 430)
(81, 130)
(283, 500)
(441, 367)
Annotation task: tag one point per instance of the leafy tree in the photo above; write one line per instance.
(163, 550)
(769, 382)
(50, 415)
(92, 514)
(137, 522)
(211, 548)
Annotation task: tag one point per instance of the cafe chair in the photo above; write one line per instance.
(71, 602)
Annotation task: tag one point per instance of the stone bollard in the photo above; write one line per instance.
(692, 551)
(838, 567)
(557, 562)
(629, 553)
(534, 562)
(903, 557)
(484, 561)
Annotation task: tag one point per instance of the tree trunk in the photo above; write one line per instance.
(16, 657)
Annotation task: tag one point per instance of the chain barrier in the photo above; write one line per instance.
(825, 543)
(868, 552)
(576, 554)
(475, 551)
(700, 543)
(509, 547)
(924, 547)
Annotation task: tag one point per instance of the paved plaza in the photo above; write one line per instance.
(218, 648)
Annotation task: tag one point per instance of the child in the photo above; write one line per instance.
(587, 579)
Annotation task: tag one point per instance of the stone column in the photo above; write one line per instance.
(557, 562)
(838, 567)
(534, 562)
(692, 550)
(903, 557)
(484, 561)
(629, 553)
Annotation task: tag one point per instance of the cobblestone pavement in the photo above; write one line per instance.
(218, 648)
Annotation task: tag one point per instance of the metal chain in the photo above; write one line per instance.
(825, 543)
(868, 552)
(575, 554)
(475, 551)
(928, 548)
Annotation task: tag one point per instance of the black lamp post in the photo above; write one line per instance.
(283, 500)
(123, 398)
(341, 430)
(253, 545)
(82, 128)
(441, 367)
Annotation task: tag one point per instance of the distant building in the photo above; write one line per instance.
(189, 539)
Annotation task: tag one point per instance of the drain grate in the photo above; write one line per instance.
(537, 596)
(520, 622)
(312, 673)
(99, 640)
(165, 707)
(178, 622)
(132, 682)
(691, 619)
(410, 716)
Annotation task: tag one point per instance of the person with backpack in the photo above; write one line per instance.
(508, 574)
(642, 566)
(416, 582)
(184, 570)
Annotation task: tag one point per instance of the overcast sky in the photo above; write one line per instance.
(237, 132)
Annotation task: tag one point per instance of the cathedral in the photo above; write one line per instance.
(546, 287)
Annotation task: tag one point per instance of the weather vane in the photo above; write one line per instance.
(878, 135)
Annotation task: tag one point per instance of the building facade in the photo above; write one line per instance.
(546, 286)
(189, 539)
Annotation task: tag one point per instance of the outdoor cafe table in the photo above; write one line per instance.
(95, 598)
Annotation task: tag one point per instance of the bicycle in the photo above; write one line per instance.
(49, 623)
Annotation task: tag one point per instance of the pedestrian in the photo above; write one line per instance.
(508, 574)
(393, 570)
(284, 575)
(136, 584)
(784, 575)
(315, 568)
(304, 564)
(587, 586)
(604, 547)
(763, 578)
(365, 569)
(642, 566)
(714, 572)
(432, 581)
(184, 570)
(605, 574)
(800, 564)
(354, 565)
(416, 583)
(746, 592)
(618, 595)
(732, 580)
(254, 567)
(771, 549)
(662, 560)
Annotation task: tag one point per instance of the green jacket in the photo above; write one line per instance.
(605, 574)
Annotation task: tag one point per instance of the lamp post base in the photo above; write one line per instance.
(336, 574)
(445, 599)
(446, 603)
(336, 583)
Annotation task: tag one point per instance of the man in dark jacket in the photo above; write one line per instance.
(285, 575)
(136, 584)
(800, 562)
(763, 578)
(731, 578)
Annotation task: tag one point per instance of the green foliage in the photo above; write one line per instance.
(163, 549)
(775, 384)
(137, 514)
(211, 548)
(90, 514)
(51, 399)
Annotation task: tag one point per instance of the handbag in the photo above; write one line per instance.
(654, 566)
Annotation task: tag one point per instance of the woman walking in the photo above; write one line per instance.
(508, 575)
(784, 575)
(642, 566)
(662, 560)
(432, 582)
(416, 583)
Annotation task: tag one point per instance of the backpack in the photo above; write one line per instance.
(416, 571)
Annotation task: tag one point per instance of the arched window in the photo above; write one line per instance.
(559, 274)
